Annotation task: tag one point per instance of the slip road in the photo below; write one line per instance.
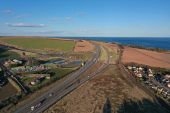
(54, 94)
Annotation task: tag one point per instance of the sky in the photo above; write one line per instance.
(85, 18)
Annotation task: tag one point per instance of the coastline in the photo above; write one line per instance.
(151, 43)
(159, 44)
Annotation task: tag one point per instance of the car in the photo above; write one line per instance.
(32, 108)
(51, 94)
(36, 106)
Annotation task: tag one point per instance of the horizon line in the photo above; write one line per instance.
(89, 36)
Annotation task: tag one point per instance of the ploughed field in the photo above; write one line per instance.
(40, 43)
(83, 46)
(146, 57)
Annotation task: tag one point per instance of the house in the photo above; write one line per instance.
(140, 68)
(17, 61)
(82, 64)
(37, 81)
(160, 89)
(164, 93)
(134, 67)
(8, 62)
(150, 74)
(150, 71)
(168, 85)
(154, 88)
(167, 76)
(11, 62)
(48, 76)
(32, 83)
(139, 75)
(129, 67)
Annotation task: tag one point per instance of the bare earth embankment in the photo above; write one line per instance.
(146, 57)
(109, 91)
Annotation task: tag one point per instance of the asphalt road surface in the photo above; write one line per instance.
(57, 92)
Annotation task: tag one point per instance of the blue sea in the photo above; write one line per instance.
(162, 43)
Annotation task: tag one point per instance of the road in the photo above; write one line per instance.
(57, 92)
(159, 84)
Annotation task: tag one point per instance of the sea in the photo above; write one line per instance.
(151, 42)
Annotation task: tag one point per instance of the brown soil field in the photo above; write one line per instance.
(146, 57)
(108, 92)
(83, 46)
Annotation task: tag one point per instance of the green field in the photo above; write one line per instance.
(41, 43)
(4, 54)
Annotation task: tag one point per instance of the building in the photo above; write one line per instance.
(37, 81)
(140, 68)
(17, 61)
(168, 85)
(129, 67)
(48, 76)
(139, 75)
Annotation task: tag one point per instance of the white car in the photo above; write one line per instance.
(36, 106)
(32, 108)
(51, 94)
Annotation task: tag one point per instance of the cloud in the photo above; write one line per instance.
(22, 16)
(68, 32)
(26, 25)
(50, 32)
(8, 11)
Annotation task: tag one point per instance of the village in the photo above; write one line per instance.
(39, 72)
(29, 75)
(156, 80)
